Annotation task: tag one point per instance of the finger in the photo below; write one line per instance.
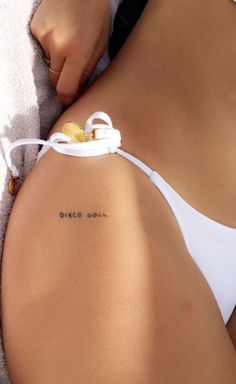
(91, 66)
(45, 52)
(85, 78)
(43, 40)
(69, 80)
(55, 68)
(46, 59)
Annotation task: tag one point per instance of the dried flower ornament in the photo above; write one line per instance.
(95, 140)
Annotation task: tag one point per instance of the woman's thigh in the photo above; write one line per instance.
(97, 285)
(112, 297)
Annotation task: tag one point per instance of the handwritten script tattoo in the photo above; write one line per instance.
(79, 215)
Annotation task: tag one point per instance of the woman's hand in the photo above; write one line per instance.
(73, 35)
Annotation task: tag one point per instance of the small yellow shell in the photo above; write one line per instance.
(12, 185)
(76, 133)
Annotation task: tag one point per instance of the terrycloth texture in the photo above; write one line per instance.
(28, 104)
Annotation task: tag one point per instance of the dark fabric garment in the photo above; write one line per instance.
(127, 16)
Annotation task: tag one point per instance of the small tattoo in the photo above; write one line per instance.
(96, 214)
(79, 215)
(70, 215)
